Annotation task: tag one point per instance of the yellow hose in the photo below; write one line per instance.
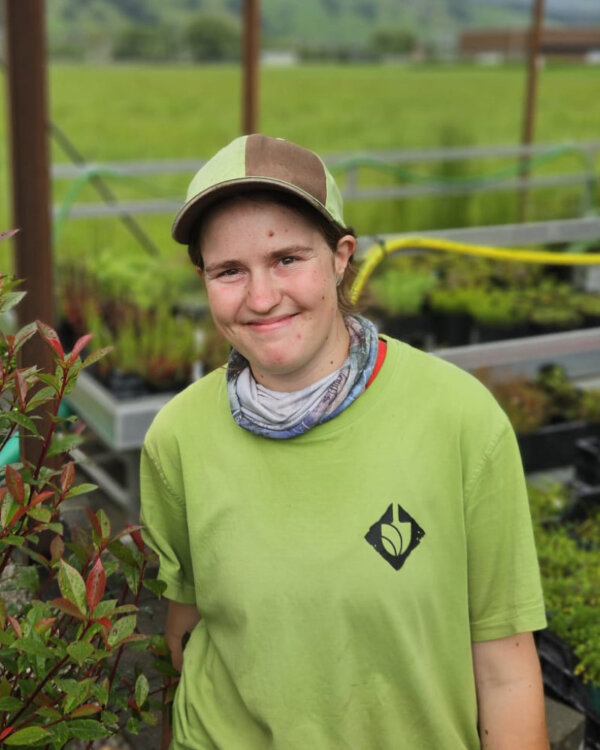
(378, 251)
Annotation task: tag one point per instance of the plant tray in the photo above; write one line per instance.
(587, 460)
(558, 664)
(585, 501)
(553, 445)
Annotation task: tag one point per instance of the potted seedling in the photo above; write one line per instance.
(498, 314)
(451, 318)
(400, 296)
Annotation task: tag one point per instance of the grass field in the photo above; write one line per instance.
(136, 113)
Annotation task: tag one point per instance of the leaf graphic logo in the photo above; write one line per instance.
(395, 535)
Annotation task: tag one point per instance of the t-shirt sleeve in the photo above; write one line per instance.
(165, 528)
(505, 594)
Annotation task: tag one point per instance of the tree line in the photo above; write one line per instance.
(216, 37)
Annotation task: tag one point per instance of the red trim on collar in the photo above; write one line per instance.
(381, 352)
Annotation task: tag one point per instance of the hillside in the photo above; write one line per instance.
(289, 23)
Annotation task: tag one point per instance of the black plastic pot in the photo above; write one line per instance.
(554, 445)
(587, 460)
(486, 332)
(558, 671)
(125, 385)
(585, 501)
(413, 329)
(451, 329)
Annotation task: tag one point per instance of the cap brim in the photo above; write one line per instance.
(193, 210)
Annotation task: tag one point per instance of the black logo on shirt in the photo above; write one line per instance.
(395, 535)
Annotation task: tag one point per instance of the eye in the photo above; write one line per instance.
(287, 260)
(228, 273)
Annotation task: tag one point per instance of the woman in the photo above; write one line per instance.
(341, 520)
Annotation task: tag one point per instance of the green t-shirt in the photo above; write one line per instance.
(342, 574)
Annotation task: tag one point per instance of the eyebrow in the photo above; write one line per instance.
(281, 252)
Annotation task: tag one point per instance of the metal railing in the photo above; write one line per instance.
(351, 167)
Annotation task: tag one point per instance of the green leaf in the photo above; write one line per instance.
(63, 443)
(123, 553)
(15, 541)
(81, 489)
(157, 587)
(42, 396)
(10, 704)
(10, 299)
(107, 717)
(87, 729)
(95, 356)
(72, 585)
(104, 524)
(34, 647)
(60, 734)
(47, 712)
(2, 613)
(28, 736)
(132, 576)
(133, 725)
(121, 629)
(50, 380)
(142, 688)
(24, 335)
(149, 718)
(40, 514)
(22, 420)
(80, 651)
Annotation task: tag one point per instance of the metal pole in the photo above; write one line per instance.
(250, 60)
(28, 104)
(534, 59)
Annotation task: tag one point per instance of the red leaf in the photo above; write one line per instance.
(40, 497)
(15, 626)
(66, 478)
(19, 514)
(95, 585)
(57, 548)
(21, 387)
(134, 533)
(9, 730)
(68, 608)
(50, 337)
(44, 624)
(95, 522)
(87, 709)
(15, 485)
(79, 345)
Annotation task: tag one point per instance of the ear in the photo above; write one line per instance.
(343, 252)
(199, 271)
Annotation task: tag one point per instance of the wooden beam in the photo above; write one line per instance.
(534, 59)
(250, 66)
(30, 173)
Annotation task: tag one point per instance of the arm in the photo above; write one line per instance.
(181, 620)
(510, 694)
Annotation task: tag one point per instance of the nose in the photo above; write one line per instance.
(263, 293)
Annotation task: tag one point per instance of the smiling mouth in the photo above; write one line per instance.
(271, 324)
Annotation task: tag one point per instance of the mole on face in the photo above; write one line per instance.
(270, 233)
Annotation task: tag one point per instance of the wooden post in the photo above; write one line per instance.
(250, 66)
(28, 104)
(534, 43)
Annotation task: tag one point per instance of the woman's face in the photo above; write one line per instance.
(271, 283)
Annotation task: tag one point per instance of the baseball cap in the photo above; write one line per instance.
(260, 162)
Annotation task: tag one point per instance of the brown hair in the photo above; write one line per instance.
(332, 234)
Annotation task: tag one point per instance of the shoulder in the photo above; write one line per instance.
(446, 396)
(190, 409)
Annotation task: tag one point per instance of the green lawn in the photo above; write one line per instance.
(135, 112)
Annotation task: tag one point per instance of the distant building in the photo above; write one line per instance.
(511, 44)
